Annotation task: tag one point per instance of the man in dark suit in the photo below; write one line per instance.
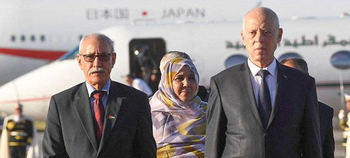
(262, 109)
(325, 111)
(99, 117)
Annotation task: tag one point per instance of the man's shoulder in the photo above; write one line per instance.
(292, 72)
(295, 76)
(70, 91)
(324, 108)
(229, 71)
(119, 86)
(9, 118)
(138, 81)
(26, 118)
(126, 91)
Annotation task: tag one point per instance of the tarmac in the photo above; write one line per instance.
(339, 149)
(338, 138)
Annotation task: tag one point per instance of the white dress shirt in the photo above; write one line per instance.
(91, 89)
(271, 79)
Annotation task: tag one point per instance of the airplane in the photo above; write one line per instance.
(37, 32)
(213, 46)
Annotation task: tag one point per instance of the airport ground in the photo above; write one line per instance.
(338, 138)
(339, 149)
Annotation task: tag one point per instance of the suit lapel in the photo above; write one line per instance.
(282, 88)
(83, 109)
(249, 93)
(114, 103)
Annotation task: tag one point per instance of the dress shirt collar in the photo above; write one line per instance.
(272, 68)
(92, 89)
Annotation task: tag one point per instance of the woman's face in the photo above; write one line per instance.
(184, 84)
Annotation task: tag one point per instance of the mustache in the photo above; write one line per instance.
(98, 69)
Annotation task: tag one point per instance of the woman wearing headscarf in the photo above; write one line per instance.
(178, 114)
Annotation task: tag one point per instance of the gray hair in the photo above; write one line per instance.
(99, 36)
(268, 13)
(171, 55)
(298, 62)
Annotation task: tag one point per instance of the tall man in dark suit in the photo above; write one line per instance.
(98, 118)
(325, 111)
(262, 109)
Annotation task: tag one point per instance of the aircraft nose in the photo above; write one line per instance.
(34, 89)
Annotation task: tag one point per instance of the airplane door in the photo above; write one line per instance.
(145, 56)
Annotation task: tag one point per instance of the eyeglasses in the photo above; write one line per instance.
(91, 57)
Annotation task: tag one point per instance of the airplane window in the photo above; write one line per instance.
(235, 60)
(42, 38)
(289, 55)
(23, 38)
(32, 38)
(70, 54)
(13, 38)
(341, 59)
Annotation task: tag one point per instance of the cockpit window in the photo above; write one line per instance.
(70, 54)
(235, 60)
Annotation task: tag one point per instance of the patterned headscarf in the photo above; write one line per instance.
(178, 127)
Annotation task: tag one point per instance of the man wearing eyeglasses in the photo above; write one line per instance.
(99, 117)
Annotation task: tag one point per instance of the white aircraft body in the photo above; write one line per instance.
(212, 46)
(36, 32)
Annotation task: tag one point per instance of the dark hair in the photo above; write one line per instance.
(130, 75)
(202, 93)
(298, 62)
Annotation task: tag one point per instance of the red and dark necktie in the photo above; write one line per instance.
(99, 113)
